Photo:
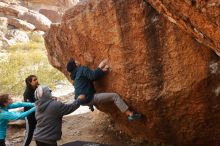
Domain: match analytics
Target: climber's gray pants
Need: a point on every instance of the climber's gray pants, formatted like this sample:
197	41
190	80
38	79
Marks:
102	98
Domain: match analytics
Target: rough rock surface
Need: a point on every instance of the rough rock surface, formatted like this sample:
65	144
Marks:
12	10
38	20
53	2
3	21
21	24
55	5
16	11
14	35
161	67
52	9
199	18
54	16
11	37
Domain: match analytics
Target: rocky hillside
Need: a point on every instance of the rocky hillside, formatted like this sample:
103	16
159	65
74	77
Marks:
52	9
16	21
164	60
22	50
35	15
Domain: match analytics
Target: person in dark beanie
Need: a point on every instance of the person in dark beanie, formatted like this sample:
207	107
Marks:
6	103
31	85
49	114
84	77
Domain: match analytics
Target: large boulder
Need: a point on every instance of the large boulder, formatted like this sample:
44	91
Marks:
164	70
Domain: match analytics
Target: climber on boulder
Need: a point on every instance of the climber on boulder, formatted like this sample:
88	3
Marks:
84	77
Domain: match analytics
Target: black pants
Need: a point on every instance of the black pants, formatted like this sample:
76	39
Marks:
2	142
38	143
30	126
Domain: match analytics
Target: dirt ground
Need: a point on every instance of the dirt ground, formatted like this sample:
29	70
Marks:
93	126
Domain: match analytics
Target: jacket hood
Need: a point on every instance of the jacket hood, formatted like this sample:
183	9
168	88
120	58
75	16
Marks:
43	92
71	65
73	74
44	97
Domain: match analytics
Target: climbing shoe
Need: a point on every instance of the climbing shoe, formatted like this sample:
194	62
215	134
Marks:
91	108
134	116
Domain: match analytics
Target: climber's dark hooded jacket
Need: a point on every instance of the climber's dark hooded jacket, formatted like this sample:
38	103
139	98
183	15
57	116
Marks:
49	114
83	78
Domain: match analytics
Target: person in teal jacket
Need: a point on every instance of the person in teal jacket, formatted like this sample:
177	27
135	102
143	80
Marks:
6	103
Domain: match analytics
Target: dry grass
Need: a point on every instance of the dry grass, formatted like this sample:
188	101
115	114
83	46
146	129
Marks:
25	59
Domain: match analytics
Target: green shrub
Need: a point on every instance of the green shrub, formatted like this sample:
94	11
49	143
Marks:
23	60
35	37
